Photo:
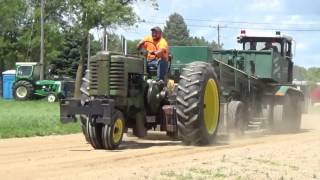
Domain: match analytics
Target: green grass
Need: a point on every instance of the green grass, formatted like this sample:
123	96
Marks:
32	118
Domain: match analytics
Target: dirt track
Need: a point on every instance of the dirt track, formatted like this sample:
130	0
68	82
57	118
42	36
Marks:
287	156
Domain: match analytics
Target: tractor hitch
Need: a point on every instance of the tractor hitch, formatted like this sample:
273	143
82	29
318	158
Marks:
170	118
100	109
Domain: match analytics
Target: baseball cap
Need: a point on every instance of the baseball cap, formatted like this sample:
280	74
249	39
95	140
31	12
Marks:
156	28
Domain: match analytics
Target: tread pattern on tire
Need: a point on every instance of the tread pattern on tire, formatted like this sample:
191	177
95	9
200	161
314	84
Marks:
191	88
107	134
287	115
94	134
236	123
28	85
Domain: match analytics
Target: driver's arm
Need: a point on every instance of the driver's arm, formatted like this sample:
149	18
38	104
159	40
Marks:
140	44
163	48
158	53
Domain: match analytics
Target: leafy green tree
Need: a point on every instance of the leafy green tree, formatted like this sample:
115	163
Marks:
299	73
201	41
20	31
302	74
12	14
132	46
68	59
176	31
87	14
313	74
114	43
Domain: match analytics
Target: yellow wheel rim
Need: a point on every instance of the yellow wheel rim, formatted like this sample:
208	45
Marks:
211	106
117	130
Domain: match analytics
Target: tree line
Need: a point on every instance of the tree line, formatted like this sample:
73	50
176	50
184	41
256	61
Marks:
312	75
67	26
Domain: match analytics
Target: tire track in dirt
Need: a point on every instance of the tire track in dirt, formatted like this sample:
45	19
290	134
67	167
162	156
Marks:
69	157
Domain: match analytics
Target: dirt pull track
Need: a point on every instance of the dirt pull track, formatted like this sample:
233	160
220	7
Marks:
69	157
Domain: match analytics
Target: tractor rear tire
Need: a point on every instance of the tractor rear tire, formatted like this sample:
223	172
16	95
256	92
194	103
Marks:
94	134
287	116
236	117
198	104
23	90
112	134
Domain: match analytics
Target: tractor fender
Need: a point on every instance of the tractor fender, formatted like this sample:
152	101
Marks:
285	90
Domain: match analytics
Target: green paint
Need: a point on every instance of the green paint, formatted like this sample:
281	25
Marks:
30	71
186	54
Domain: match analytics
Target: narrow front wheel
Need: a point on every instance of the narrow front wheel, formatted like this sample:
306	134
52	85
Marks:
112	134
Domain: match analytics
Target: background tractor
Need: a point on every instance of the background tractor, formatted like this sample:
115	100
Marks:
28	86
207	93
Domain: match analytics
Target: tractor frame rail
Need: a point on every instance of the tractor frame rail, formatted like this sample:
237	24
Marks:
99	109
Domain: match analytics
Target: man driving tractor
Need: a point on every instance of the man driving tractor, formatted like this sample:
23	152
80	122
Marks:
158	52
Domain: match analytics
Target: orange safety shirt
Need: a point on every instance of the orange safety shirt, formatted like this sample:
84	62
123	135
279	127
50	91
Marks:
151	45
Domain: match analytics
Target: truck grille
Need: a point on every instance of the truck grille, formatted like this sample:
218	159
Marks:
93	78
117	81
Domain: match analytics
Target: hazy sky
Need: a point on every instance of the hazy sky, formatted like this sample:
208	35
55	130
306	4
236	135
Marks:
253	15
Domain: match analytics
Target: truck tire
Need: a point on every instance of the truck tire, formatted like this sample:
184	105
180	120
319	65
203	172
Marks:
287	116
236	117
112	134
198	104
23	90
93	131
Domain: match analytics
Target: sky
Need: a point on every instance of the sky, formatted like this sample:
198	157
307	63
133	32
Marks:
202	16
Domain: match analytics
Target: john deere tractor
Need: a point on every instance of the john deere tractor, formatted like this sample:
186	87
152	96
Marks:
28	86
207	93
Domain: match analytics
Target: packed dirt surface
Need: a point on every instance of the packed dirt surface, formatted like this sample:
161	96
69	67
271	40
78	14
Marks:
255	156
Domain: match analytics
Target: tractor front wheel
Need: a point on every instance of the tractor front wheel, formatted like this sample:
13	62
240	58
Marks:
51	98
84	99
93	131
23	90
112	134
83	121
198	104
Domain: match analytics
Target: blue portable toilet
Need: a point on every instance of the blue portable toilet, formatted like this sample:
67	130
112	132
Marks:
9	78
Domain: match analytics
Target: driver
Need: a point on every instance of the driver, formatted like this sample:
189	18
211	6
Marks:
158	52
267	46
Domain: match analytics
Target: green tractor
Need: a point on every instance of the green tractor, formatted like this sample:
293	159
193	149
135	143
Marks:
207	93
29	86
119	92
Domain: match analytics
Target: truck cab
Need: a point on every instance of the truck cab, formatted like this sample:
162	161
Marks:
27	71
279	45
